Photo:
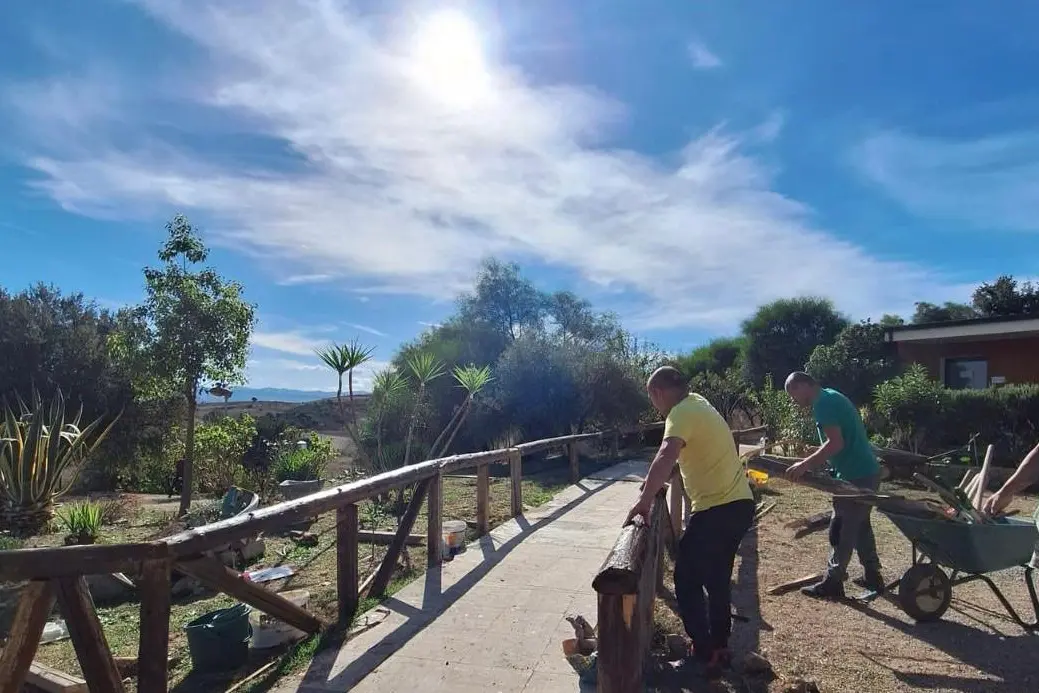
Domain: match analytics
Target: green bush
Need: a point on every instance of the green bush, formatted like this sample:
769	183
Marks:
220	447
81	521
857	361
302	464
918	413
785	421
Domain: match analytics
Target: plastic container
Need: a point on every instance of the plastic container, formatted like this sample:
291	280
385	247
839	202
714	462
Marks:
270	632
454	538
756	477
219	640
54	631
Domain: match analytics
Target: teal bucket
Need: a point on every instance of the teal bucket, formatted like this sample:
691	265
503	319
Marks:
219	640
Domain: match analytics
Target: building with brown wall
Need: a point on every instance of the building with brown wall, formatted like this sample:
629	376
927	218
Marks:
973	353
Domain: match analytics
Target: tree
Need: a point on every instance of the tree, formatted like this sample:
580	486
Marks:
194	326
1005	297
858	360
890	320
782	335
929	312
716	356
345	359
504	301
728	392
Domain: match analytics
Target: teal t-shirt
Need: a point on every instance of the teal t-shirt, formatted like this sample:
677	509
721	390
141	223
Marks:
856	460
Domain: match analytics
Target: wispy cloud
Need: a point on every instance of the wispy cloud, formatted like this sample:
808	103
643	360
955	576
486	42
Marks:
701	56
991	182
286	342
380	150
297	279
305	375
433	325
365	328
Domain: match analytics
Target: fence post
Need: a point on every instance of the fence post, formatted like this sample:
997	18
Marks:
435	524
677	503
483	499
346	562
615	445
34	606
154	644
575	463
516	478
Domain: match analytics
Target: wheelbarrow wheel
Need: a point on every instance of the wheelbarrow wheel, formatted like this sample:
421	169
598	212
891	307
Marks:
924	592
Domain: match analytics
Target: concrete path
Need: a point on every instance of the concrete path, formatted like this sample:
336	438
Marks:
491	620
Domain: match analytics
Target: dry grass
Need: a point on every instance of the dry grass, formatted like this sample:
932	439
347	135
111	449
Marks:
849	648
316	573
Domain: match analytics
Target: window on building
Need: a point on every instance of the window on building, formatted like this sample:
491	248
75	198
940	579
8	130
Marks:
966	374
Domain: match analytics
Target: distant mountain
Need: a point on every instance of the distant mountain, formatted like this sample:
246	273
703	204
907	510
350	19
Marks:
271	394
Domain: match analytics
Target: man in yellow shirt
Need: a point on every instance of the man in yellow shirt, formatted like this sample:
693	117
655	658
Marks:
697	437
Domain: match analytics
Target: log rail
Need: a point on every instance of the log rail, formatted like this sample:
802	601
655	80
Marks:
57	574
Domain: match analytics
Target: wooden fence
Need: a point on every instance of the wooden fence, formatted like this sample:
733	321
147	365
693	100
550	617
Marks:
628	582
58	574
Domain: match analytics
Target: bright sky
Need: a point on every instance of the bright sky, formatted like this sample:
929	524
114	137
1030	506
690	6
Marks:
678	162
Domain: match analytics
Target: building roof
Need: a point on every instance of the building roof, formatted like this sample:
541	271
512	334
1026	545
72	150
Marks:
977	329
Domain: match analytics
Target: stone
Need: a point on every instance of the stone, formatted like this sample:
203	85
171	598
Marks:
801	686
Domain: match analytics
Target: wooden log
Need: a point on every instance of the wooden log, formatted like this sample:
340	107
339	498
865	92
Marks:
516	481
575	463
384	574
88	638
785	587
44	678
214	574
30	617
434	521
550	443
817	480
483	499
154	643
73	561
383	538
347	568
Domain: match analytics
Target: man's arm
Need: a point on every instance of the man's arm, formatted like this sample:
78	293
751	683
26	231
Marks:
834	444
1027	474
660	470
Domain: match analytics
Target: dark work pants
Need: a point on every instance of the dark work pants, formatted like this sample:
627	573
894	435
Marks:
851	531
703	572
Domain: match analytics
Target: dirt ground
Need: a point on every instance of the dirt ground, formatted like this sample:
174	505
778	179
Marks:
850	648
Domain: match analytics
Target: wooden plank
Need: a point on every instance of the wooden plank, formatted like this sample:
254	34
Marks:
88	638
30	617
516	481
44	678
434	520
615	445
550	443
982	484
382	538
794	584
214	574
389	563
347	568
677	496
153	647
73	561
575	463
483	499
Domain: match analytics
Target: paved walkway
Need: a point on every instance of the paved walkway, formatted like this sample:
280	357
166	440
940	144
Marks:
491	620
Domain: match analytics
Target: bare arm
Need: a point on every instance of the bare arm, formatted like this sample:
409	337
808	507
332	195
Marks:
660	470
834	444
1027	473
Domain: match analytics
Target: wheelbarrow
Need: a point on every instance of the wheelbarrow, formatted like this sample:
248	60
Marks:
947	553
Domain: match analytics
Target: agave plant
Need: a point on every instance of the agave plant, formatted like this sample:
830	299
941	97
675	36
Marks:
81	522
41	454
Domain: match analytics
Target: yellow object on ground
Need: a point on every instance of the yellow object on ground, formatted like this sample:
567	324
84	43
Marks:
756	477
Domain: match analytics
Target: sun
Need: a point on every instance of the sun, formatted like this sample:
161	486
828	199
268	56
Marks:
448	59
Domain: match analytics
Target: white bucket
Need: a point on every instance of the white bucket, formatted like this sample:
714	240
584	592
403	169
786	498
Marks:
454	538
270	632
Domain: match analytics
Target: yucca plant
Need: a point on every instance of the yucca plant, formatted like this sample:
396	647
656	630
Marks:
41	455
81	522
424	368
472	379
387	386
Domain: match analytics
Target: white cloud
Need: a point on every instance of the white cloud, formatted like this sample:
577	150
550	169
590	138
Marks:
398	191
306	375
286	342
366	328
992	182
298	279
701	56
432	325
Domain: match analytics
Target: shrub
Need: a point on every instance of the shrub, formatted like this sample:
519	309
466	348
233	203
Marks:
909	407
729	393
81	522
302	464
855	363
785	421
220	447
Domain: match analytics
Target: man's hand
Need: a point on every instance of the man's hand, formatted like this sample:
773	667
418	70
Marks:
997	503
640	509
797	471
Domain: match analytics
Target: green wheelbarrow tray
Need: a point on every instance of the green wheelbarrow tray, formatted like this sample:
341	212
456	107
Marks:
969	552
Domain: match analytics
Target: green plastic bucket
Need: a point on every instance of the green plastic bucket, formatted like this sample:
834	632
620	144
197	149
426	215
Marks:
219	640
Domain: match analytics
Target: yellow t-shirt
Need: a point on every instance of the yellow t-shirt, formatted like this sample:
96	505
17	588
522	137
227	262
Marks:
710	463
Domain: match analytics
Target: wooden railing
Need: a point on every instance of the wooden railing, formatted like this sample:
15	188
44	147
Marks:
628	581
59	573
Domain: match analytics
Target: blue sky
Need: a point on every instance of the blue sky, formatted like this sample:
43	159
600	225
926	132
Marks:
677	162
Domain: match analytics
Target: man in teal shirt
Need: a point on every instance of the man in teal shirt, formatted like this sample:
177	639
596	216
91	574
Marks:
846	447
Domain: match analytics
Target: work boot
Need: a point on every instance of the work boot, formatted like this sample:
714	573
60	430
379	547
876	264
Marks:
827	589
871	580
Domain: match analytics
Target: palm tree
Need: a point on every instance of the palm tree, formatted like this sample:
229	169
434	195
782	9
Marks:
472	379
424	368
343	359
387	385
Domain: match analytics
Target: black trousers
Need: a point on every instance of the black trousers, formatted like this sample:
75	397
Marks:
703	572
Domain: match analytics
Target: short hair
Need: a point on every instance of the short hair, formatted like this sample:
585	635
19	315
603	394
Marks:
799	378
667	378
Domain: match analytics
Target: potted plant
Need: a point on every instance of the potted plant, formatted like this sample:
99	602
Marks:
299	472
